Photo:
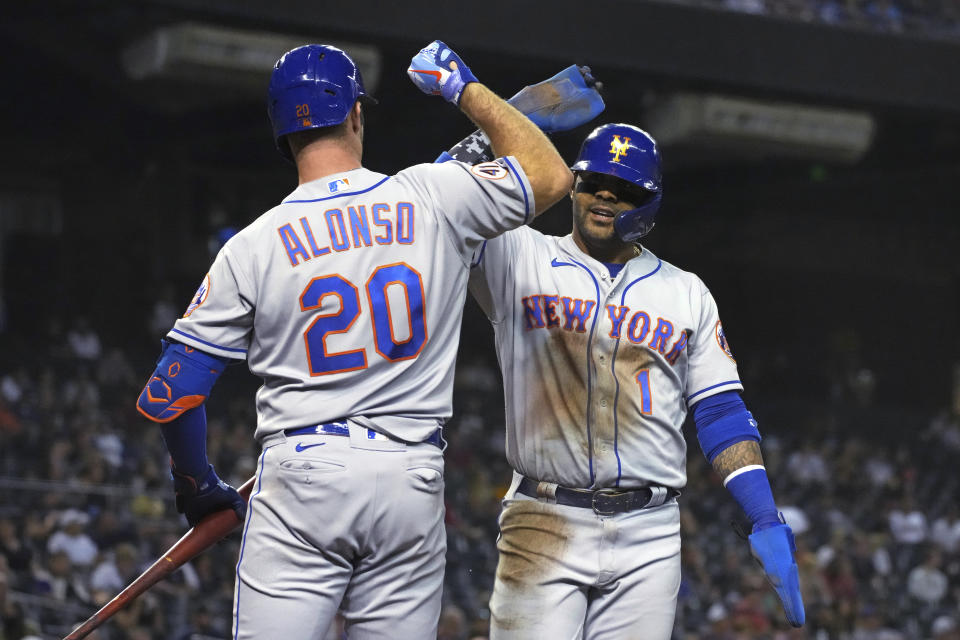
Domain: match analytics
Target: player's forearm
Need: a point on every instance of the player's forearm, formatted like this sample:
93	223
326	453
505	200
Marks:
737	456
512	134
741	467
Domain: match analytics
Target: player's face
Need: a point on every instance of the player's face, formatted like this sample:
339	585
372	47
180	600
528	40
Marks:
597	200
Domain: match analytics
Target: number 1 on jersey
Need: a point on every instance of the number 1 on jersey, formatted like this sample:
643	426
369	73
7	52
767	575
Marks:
646	400
322	362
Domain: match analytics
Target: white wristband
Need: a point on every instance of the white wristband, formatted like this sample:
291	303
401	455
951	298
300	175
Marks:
742	470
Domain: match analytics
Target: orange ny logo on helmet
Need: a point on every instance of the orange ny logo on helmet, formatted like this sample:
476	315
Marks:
618	147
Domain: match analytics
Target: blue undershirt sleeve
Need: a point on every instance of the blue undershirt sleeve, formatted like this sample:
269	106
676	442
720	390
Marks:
723	420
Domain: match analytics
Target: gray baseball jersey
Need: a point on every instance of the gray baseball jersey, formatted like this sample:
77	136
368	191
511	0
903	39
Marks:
598	372
346	298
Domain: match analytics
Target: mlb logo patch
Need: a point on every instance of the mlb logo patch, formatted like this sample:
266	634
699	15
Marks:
338	185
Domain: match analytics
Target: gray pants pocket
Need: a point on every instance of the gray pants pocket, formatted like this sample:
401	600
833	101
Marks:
429	479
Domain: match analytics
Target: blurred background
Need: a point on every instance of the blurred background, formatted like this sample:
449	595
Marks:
812	163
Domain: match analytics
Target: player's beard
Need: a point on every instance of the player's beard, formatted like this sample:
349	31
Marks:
600	238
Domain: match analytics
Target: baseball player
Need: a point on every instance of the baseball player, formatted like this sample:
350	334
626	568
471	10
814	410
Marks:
604	349
346	299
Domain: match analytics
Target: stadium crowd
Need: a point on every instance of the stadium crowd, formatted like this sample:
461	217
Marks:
934	18
88	504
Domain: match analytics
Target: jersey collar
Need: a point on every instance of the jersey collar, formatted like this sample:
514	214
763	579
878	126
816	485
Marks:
334	185
644	264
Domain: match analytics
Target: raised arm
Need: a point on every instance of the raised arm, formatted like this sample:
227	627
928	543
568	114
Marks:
438	70
512	134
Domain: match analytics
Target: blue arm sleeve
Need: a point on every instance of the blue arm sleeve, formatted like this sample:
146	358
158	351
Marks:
186	439
723	420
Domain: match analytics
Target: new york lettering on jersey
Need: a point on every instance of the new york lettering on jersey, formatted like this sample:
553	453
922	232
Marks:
540	311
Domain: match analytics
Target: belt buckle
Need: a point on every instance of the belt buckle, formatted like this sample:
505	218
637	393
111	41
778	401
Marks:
605	492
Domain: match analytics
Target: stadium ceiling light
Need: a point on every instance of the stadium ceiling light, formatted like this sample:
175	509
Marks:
761	128
227	57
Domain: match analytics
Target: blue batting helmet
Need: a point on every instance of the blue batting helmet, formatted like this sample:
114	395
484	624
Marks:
628	153
312	86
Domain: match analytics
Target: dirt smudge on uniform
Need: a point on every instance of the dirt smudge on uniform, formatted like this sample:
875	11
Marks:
534	538
631	358
557	398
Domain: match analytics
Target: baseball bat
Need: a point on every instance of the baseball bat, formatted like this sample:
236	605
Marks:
195	541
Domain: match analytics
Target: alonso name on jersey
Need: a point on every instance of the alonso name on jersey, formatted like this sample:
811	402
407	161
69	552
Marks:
346	228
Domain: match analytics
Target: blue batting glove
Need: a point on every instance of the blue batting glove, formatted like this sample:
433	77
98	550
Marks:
565	101
431	70
198	497
773	548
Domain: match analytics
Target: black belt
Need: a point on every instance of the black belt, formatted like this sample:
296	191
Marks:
604	502
341	429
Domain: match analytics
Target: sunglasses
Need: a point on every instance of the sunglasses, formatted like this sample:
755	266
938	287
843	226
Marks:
625	191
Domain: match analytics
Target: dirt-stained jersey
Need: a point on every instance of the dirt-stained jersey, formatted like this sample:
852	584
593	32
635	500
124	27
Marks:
599	372
346	299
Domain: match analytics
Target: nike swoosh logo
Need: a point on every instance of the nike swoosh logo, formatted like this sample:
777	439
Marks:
301	447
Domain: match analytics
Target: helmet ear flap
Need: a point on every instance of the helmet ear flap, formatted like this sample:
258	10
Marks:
633	224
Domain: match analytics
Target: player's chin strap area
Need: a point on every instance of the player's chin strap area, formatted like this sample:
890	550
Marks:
604	502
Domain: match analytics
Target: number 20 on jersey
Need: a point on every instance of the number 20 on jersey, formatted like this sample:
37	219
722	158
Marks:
323	362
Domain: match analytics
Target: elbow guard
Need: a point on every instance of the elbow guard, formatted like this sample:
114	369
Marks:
182	380
723	420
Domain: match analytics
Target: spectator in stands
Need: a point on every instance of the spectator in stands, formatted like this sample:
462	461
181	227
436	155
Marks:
807	466
746	6
719	624
945	628
12	623
83	341
116	571
870	625
16	553
926	582
72	539
202	625
907	523
59	579
166	309
884	15
842	12
945	531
